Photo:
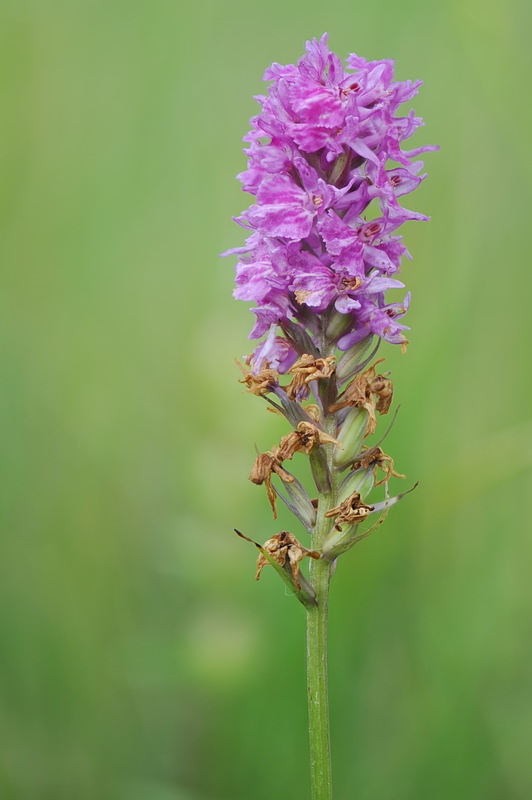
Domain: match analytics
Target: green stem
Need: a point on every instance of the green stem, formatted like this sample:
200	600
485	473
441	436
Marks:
317	618
318	700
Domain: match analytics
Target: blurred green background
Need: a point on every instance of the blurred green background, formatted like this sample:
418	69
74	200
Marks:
139	659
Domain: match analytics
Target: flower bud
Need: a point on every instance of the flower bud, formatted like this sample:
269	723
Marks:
338	325
350	435
361	481
337	542
355	359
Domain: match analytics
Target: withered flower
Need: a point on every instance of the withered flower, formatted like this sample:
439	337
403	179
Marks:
352	511
313	411
261	472
302	440
307	369
285	547
260	383
375	457
362	391
383	388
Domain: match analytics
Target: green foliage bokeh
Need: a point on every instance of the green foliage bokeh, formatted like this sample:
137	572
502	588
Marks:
139	660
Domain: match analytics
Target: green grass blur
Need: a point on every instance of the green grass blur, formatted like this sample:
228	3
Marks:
138	658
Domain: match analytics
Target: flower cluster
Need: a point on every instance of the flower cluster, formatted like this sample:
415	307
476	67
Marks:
321	255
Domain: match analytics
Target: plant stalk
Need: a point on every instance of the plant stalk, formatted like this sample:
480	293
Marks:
317	621
318	699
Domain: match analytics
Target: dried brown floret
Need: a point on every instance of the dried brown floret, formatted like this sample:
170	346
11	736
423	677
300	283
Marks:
303	440
285	547
362	391
307	369
383	388
313	411
262	382
352	511
375	457
261	473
